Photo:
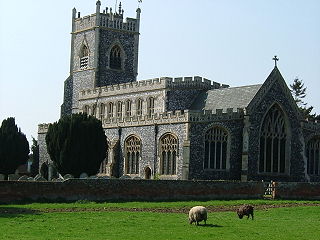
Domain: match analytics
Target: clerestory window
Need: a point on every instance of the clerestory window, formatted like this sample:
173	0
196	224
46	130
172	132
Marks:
139	107
115	58
150	106
128	108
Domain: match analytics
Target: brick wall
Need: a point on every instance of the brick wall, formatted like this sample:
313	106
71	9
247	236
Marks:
128	190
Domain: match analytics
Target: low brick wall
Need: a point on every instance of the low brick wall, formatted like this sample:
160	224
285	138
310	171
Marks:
297	190
128	190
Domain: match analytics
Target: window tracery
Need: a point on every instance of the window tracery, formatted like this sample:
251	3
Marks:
133	153
168	151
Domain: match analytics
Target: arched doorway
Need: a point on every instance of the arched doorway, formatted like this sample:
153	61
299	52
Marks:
147	173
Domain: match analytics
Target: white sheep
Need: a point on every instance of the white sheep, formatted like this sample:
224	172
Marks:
198	214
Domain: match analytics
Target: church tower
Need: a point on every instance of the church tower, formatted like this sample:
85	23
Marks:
104	51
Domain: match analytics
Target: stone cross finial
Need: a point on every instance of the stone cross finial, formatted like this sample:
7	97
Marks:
275	59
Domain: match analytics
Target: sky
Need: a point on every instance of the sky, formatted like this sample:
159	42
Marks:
227	41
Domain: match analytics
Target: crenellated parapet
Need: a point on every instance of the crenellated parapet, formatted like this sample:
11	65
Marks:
310	125
43	128
107	19
175	117
151	85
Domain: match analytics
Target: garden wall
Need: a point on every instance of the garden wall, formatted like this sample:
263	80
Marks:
127	190
297	190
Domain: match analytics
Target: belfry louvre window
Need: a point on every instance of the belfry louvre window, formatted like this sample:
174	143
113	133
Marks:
273	141
84	57
313	156
168	151
133	152
115	58
150	106
216	144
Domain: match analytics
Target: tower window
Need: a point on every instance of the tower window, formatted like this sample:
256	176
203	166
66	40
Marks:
84	57
215	145
115	58
273	143
168	151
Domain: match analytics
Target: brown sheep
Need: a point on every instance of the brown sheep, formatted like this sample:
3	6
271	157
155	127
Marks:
245	210
198	214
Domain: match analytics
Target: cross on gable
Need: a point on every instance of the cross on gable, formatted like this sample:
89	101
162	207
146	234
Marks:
275	60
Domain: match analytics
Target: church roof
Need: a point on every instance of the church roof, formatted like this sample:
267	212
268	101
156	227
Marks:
223	98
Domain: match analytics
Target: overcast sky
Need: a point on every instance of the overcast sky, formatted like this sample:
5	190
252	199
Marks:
227	41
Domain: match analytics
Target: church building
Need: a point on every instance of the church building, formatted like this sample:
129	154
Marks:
181	128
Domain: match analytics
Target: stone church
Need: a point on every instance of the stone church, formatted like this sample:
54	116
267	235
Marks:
181	128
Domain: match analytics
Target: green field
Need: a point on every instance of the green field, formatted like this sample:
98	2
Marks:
84	220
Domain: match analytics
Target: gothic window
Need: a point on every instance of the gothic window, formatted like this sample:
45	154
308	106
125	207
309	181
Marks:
110	110
313	156
139	107
119	109
94	110
86	109
150	106
128	108
115	58
216	148
133	153
169	152
84	57
273	142
102	111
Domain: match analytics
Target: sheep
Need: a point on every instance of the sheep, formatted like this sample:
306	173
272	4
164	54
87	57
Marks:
198	214
245	210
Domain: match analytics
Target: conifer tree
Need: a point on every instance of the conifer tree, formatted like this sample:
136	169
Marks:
76	144
298	91
34	157
14	147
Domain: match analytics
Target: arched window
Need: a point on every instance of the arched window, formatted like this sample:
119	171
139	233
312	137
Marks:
139	107
102	111
169	152
133	152
94	110
110	110
84	57
150	106
115	58
119	109
86	109
128	108
216	148
313	156
273	142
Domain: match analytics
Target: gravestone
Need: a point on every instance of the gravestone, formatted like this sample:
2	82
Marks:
93	177
67	176
125	177
2	177
39	178
23	178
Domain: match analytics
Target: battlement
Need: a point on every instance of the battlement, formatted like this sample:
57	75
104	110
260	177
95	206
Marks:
43	128
107	19
315	126
173	117
151	85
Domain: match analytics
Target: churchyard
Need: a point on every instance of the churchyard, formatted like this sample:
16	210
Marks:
274	219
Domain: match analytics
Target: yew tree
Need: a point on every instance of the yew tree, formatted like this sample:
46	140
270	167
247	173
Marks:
76	144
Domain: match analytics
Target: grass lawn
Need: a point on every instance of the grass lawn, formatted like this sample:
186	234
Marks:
300	222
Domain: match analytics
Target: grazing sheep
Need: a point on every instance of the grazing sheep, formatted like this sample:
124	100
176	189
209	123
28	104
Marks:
245	210
198	214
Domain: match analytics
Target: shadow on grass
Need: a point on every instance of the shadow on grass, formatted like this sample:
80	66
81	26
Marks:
12	212
209	225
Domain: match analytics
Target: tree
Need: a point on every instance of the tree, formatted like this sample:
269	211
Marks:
298	91
34	157
14	147
76	144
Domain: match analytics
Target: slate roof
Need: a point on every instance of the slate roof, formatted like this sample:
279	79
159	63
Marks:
236	97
